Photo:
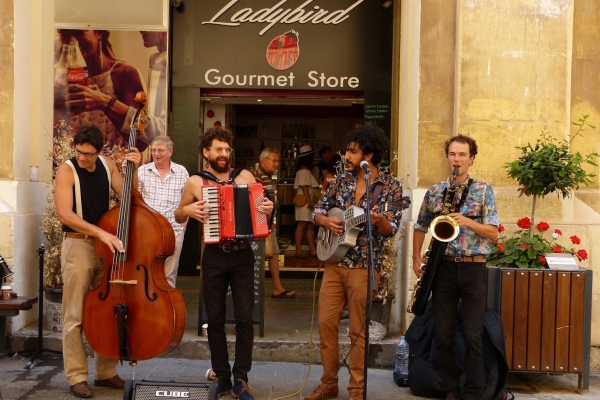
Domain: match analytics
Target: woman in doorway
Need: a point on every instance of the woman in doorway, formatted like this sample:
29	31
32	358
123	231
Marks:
111	91
304	184
331	172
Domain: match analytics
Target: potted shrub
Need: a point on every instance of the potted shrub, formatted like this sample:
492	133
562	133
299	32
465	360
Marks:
546	313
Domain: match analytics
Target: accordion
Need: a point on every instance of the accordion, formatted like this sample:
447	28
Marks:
234	213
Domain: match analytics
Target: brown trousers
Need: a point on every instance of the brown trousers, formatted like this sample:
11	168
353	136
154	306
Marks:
82	269
340	287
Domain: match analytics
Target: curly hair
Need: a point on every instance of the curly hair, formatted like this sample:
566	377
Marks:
462	139
89	134
370	140
220	133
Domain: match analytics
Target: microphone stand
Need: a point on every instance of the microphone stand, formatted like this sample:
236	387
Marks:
40	349
371	284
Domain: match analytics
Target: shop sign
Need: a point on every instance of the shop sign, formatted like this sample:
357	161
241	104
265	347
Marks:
280	44
280	15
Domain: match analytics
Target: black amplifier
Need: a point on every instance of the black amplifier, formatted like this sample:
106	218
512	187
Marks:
150	390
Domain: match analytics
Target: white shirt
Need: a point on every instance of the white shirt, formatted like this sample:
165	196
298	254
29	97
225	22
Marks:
163	195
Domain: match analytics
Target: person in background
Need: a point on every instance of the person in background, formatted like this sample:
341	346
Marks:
161	185
157	88
305	183
461	274
325	155
345	283
80	207
113	85
269	161
229	264
331	172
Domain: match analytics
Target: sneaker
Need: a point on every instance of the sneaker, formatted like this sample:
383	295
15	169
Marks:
241	390
223	387
323	391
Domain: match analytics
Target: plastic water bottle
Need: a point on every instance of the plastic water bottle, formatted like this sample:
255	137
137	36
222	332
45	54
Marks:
402	357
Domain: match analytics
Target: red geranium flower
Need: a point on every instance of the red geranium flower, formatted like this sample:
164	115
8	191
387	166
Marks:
524	223
575	239
582	255
557	249
501	247
523	246
542	260
558	231
500	228
543	226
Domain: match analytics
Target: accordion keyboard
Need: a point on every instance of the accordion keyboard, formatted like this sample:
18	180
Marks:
212	229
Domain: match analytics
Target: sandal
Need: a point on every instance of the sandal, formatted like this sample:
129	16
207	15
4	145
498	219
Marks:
286	294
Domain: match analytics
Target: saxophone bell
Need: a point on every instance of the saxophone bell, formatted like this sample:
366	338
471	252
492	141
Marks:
444	228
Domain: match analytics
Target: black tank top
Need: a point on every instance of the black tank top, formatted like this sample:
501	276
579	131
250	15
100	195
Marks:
95	193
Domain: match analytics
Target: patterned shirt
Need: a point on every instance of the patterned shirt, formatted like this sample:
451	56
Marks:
480	205
163	195
341	195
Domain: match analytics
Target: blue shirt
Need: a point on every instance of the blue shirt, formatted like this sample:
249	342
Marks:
480	205
341	195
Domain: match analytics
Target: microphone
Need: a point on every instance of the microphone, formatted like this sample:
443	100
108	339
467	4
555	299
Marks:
365	165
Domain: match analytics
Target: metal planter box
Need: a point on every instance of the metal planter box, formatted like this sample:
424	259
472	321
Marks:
547	317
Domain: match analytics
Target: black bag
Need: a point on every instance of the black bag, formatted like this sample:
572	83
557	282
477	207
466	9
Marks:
424	379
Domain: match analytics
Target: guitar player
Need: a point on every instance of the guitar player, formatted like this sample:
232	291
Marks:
345	282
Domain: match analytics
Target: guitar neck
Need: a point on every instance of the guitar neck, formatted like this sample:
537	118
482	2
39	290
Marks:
361	219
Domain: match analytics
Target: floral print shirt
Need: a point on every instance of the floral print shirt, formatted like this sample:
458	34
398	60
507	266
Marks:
340	194
480	205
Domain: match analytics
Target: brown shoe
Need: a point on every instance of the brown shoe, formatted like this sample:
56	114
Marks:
323	391
81	389
356	395
115	382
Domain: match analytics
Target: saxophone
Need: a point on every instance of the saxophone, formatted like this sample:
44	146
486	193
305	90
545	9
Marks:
444	230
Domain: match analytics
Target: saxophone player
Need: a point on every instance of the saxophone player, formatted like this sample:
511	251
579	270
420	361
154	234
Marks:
461	274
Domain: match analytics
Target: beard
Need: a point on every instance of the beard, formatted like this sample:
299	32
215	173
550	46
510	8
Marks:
214	164
350	166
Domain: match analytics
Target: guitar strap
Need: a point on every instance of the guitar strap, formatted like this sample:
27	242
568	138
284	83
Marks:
376	193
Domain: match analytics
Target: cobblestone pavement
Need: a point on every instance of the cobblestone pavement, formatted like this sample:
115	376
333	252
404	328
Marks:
268	380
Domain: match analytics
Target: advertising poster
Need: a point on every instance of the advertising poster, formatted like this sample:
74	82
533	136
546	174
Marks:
97	74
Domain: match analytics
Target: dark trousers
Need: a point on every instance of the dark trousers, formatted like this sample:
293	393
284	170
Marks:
467	282
221	270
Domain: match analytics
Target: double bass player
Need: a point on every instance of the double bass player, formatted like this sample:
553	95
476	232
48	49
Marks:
462	272
82	192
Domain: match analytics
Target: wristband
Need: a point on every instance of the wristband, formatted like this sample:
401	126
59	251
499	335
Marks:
110	104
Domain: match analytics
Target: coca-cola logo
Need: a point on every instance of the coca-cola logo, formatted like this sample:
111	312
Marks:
75	75
60	80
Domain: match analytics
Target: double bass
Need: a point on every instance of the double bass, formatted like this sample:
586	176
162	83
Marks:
134	314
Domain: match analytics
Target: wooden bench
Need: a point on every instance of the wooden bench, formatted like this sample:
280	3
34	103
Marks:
10	308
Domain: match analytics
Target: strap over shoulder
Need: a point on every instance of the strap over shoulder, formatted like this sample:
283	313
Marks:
233	173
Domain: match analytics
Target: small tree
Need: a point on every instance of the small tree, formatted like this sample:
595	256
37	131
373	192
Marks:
548	167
